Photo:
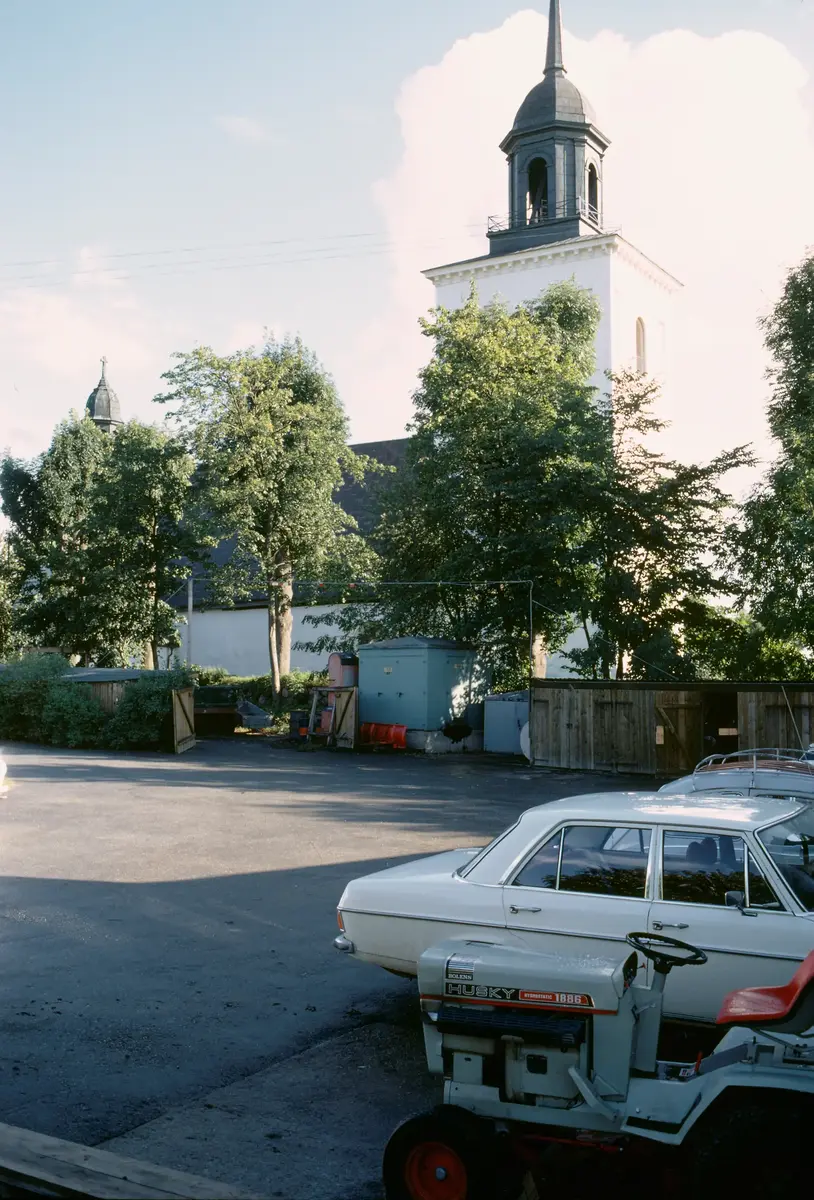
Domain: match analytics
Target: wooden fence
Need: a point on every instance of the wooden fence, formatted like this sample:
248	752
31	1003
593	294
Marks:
658	729
183	720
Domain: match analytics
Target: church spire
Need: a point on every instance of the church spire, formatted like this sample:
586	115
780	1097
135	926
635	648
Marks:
555	153
553	61
103	406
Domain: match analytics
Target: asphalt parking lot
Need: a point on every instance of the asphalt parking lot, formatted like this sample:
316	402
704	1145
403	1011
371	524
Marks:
169	985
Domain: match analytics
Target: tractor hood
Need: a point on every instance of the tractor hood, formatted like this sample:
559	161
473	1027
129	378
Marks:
462	971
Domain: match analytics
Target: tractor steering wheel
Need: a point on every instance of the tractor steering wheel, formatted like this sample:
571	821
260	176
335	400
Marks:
648	944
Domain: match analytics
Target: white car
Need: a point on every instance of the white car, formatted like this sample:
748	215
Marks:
750	773
732	874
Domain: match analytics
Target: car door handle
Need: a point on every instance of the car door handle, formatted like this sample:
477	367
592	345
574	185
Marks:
514	909
670	925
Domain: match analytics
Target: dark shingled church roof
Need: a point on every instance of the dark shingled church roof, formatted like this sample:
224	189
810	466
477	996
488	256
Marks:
555	100
362	501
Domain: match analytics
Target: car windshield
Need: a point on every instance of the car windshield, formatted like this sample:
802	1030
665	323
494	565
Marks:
791	846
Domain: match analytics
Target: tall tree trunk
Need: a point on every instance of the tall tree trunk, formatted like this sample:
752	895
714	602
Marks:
274	660
149	657
285	620
620	664
539	656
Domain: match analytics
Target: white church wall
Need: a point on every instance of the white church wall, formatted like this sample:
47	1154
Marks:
237	639
628	286
524	276
639	293
557	664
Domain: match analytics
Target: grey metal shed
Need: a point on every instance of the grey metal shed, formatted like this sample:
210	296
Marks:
421	682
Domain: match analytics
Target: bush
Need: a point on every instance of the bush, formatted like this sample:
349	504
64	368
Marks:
24	688
142	720
37	704
72	716
209	676
259	689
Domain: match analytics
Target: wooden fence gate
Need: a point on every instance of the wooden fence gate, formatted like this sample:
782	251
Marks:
782	718
183	720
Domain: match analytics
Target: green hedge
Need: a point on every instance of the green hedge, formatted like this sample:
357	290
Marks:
258	688
37	704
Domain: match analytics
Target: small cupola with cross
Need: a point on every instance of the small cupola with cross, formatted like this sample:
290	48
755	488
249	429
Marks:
103	404
555	153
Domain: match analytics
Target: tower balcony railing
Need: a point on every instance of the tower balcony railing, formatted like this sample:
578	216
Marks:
548	214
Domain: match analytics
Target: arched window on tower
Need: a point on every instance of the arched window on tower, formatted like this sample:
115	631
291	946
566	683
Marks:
593	192
537	200
641	347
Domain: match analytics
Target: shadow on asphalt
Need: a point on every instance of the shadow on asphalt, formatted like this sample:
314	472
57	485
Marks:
470	793
119	1000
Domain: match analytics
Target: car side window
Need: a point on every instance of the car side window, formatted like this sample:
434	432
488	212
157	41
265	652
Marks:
699	868
760	893
541	871
603	860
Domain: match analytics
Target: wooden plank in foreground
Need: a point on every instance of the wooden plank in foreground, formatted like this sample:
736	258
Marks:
45	1166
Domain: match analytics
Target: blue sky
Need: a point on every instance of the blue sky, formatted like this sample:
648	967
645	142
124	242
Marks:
181	171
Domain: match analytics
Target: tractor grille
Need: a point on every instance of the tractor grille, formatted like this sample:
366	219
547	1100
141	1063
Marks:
561	1033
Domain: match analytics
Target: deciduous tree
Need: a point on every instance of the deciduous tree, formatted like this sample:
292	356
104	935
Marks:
269	434
143	532
657	527
773	550
500	466
47	503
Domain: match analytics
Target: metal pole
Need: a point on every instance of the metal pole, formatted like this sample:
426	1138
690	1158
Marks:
531	631
189	621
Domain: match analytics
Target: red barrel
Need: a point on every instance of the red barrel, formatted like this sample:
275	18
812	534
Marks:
373	734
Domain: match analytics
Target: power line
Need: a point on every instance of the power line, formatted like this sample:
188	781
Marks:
313	253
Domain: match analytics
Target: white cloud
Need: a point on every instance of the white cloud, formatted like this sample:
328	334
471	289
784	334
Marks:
245	129
709	172
52	336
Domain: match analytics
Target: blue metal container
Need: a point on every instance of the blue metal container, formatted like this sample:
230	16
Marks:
423	683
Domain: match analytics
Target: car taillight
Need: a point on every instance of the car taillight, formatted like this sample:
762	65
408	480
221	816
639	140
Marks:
339	921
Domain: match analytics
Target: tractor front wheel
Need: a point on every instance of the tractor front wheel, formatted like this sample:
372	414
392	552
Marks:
443	1155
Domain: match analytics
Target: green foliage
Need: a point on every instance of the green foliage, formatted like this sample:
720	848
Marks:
142	720
499	470
10	587
24	691
208	676
789	333
98	526
723	644
259	689
38	704
48	503
71	715
142	522
270	435
773	549
655	529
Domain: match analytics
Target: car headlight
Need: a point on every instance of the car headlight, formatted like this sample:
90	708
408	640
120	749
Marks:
339	920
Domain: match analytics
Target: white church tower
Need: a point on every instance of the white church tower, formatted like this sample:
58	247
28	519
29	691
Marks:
555	229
